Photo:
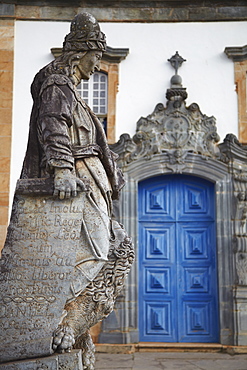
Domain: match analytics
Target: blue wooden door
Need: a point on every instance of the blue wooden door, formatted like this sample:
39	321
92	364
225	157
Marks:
177	260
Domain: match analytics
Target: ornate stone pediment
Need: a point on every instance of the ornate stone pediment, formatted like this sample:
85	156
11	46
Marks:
175	130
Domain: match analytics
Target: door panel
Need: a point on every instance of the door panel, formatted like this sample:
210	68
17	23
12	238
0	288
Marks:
157	253
177	260
194	199
156	203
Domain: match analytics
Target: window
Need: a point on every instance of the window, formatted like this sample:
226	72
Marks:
94	93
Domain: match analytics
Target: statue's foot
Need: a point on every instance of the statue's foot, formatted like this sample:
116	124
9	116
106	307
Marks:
88	351
88	356
63	339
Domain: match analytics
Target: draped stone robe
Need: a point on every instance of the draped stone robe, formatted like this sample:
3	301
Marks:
65	133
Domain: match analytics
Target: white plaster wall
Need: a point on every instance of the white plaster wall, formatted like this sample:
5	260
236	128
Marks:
145	75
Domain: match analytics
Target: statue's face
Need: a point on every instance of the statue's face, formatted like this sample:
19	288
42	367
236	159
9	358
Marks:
88	64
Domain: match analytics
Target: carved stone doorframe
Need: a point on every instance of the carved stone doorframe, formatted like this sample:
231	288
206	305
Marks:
196	166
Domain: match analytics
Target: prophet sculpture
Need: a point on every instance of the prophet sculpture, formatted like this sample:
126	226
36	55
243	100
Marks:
67	148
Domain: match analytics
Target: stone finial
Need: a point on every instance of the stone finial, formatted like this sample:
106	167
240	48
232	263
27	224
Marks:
176	61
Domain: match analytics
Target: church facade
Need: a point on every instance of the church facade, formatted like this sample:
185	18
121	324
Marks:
181	143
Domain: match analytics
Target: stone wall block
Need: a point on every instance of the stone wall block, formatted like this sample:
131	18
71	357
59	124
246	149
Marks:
127	11
4	181
6	37
6	81
5	143
5	118
5	130
3	216
170	14
204	13
232	12
6	60
5	101
7	9
4	165
4	198
101	14
23	11
3	233
56	12
133	13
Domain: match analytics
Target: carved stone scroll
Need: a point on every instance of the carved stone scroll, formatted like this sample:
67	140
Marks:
37	268
240	226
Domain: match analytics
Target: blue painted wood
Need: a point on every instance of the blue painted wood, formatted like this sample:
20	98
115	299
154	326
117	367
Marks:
177	260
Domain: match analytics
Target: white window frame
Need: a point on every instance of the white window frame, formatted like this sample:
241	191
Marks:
95	93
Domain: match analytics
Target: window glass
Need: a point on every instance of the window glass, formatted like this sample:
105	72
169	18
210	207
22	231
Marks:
94	93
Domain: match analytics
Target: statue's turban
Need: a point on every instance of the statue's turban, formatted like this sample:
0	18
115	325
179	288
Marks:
84	34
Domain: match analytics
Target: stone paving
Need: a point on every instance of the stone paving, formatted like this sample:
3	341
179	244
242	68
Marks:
171	361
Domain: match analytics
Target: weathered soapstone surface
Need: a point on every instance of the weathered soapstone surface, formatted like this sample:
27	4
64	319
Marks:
65	260
62	361
36	271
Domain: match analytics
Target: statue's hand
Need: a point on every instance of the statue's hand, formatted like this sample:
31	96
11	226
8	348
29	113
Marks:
65	183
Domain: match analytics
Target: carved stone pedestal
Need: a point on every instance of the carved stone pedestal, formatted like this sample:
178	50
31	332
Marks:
65	361
241	314
37	268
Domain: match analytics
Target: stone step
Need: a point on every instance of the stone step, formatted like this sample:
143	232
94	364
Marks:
57	361
169	347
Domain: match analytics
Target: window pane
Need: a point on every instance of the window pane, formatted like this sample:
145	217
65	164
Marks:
94	92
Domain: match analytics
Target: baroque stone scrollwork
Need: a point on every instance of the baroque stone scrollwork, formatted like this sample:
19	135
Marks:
174	130
236	153
240	225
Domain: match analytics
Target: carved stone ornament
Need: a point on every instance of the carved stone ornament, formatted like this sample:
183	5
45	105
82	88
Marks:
65	258
175	130
236	154
240	210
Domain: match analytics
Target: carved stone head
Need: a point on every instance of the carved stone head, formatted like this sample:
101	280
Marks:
82	49
85	34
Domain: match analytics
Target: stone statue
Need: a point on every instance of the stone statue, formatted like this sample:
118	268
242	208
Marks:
65	257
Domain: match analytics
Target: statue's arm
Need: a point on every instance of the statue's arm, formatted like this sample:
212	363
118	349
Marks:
54	120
